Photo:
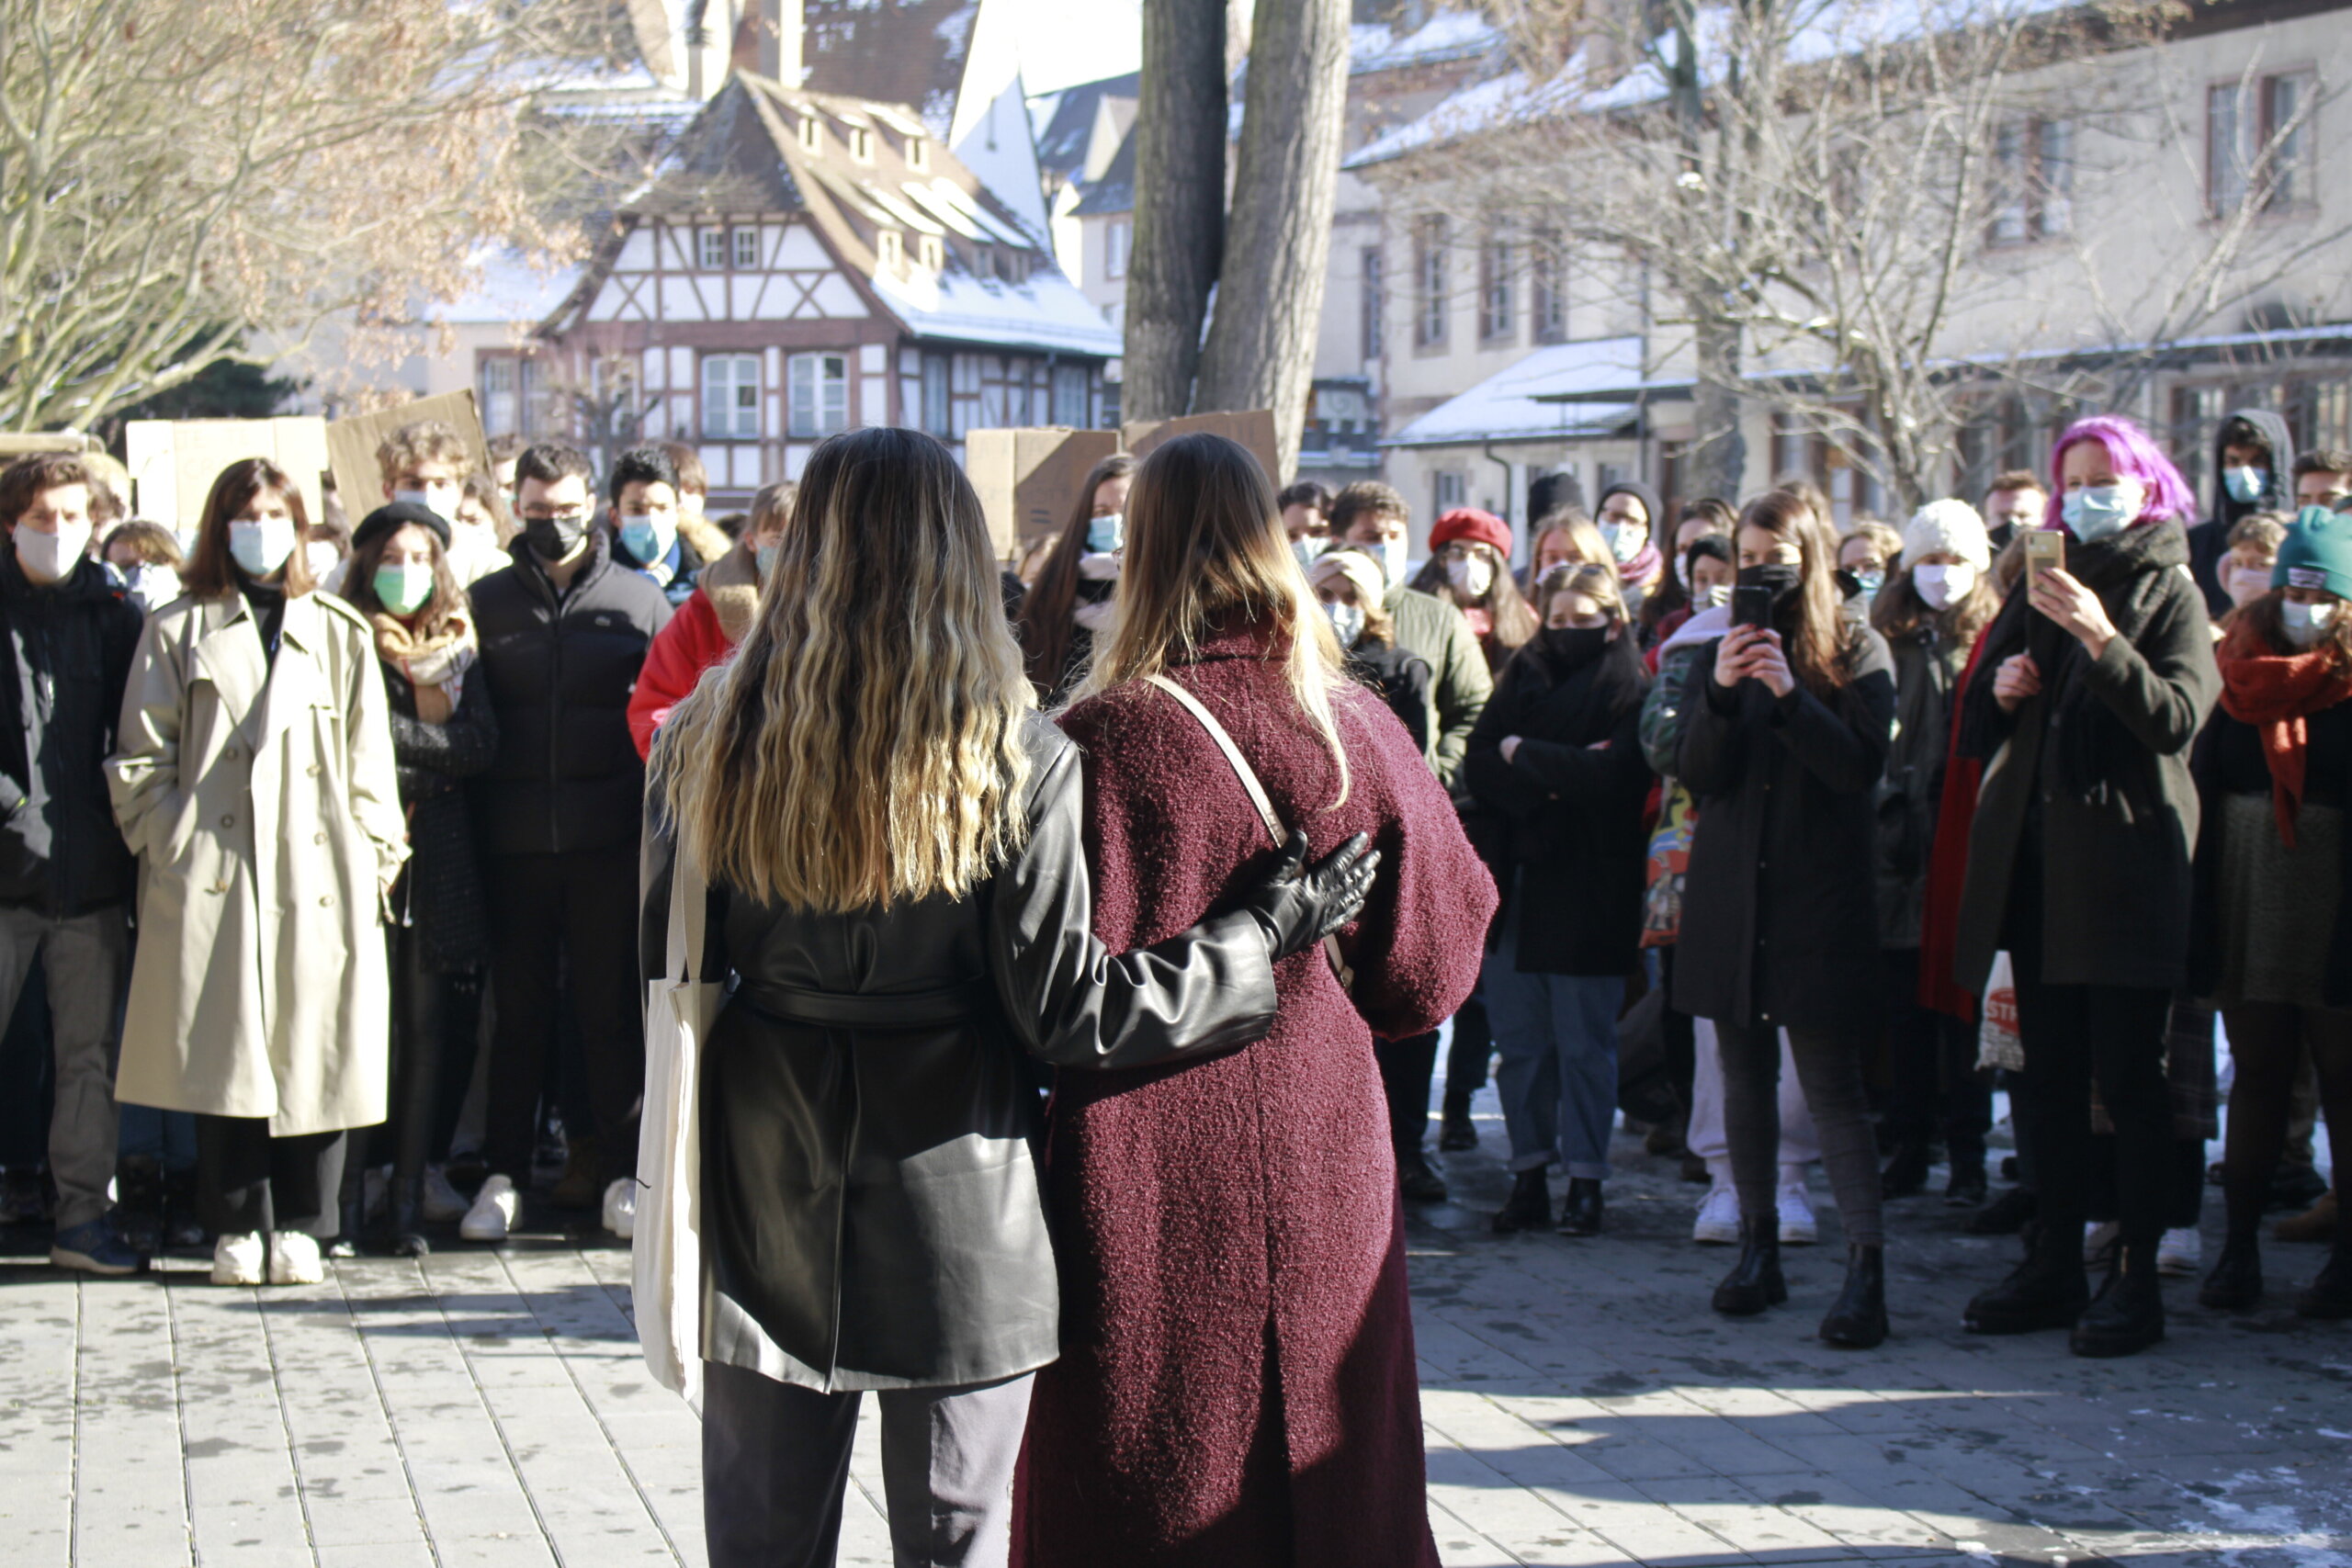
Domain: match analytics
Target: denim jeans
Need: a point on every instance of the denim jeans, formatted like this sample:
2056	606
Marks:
1556	1038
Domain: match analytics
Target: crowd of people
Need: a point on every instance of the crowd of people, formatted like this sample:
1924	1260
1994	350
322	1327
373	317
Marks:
1073	944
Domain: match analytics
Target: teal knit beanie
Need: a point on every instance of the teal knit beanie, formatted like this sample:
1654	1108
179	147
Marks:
2316	553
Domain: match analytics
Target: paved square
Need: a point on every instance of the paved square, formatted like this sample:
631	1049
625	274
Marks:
1583	1405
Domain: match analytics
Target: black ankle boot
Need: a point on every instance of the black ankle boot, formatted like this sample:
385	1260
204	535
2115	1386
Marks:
1455	1132
1858	1320
2046	1290
1906	1173
1754	1282
1528	1207
1580	1215
2330	1295
2236	1282
2128	1313
1965	1190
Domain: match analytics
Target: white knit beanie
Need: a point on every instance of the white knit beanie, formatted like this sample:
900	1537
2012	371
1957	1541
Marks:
1947	524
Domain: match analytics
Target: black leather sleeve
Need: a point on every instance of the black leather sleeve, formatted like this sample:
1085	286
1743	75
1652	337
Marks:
1075	1004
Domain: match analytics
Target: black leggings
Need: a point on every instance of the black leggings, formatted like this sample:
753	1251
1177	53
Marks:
2265	1042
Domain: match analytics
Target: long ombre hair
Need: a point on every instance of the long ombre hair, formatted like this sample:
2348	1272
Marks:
864	744
1205	547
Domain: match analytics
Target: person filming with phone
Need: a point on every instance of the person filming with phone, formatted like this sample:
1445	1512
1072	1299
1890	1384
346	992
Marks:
2079	860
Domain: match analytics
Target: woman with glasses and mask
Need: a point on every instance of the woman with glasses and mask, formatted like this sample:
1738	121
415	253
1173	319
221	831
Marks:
1785	742
254	776
1469	568
1631	522
1073	599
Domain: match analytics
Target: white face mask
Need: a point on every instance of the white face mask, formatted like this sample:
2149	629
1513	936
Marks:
150	585
1941	587
261	547
47	557
1713	598
2247	583
2306	624
1624	540
1392	560
1471	576
322	557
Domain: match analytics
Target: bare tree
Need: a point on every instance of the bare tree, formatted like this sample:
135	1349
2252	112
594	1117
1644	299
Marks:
1261	351
1180	203
177	175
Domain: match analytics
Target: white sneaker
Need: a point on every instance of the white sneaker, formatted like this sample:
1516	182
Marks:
237	1259
2180	1252
442	1202
620	1208
294	1258
2099	1238
1718	1222
493	1213
1797	1226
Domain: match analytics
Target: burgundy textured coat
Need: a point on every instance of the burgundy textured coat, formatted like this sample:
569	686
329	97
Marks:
1236	1385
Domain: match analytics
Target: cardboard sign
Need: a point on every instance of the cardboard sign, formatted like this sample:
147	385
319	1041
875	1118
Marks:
173	462
1254	429
352	443
1029	478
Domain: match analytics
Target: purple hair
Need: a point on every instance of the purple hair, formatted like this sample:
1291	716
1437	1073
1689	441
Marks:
2135	455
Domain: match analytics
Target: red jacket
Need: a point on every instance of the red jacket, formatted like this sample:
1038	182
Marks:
703	632
1237	1384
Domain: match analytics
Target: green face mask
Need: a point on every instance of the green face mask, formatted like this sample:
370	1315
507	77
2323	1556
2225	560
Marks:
404	590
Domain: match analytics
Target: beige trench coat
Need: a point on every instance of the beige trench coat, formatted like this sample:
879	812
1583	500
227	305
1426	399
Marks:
261	802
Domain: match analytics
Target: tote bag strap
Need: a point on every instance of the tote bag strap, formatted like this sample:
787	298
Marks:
1257	793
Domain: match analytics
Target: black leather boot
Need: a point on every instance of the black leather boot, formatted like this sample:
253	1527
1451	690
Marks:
2236	1282
1416	1180
1580	1215
1906	1173
1528	1207
1858	1320
1965	1188
2128	1313
1754	1282
2330	1295
1455	1132
2046	1290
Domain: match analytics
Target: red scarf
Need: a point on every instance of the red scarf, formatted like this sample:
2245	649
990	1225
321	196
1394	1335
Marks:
2274	693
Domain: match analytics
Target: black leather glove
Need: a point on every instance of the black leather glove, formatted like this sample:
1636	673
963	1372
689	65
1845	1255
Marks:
1299	904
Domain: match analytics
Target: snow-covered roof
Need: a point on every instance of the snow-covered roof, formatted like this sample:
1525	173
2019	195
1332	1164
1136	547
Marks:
1451	35
1047	312
1505	405
510	289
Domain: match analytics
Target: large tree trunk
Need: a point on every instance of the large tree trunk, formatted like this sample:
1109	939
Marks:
1718	446
1261	350
1180	203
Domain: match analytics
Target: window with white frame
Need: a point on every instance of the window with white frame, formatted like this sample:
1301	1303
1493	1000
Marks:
1547	305
1497	311
889	250
1118	235
711	249
1069	396
502	400
743	240
2259	140
812	134
1374	301
932	252
937	417
730	396
819	387
860	144
2033	168
1431	305
918	152
1451	489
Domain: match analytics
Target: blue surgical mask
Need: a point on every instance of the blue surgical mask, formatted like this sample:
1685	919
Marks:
2246	484
1347	622
648	536
2100	512
1105	533
1308	550
1393	564
260	549
1871	581
763	559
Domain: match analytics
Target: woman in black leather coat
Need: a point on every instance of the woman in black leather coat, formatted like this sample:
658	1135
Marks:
898	885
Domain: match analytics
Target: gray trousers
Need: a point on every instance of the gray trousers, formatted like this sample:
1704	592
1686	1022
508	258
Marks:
1830	1069
82	958
775	1458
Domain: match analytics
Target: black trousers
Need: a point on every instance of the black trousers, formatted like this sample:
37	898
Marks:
2071	1033
1406	1067
1932	1058
1471	1059
573	915
2269	1042
247	1181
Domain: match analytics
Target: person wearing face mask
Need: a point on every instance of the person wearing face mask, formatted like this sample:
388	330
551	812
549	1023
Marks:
1936	600
652	530
2079	864
425	465
254	773
1865	557
1075	595
67	633
326	550
1306	520
2272	938
1671	599
564	631
1631	519
146	560
1785	740
1348	584
1702	580
712	621
1374	517
1469	568
443	733
2254	463
2254	547
1556	763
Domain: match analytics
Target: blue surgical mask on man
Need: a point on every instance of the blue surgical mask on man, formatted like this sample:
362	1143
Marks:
646	536
1106	534
2246	484
2100	512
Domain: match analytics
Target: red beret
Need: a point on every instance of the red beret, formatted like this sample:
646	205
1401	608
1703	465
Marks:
1478	527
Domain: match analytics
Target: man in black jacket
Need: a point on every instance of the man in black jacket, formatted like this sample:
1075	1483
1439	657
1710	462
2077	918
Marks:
2254	462
563	633
65	875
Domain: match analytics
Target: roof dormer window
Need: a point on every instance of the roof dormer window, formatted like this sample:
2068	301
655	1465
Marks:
812	134
931	252
918	152
860	144
889	250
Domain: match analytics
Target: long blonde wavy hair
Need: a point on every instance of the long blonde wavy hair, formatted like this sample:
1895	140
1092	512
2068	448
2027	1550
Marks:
864	744
1205	547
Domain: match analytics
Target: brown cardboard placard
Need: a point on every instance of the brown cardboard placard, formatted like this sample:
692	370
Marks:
173	462
1253	428
352	443
1029	478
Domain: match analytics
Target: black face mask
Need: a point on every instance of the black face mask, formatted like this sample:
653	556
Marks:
1573	648
552	538
1782	579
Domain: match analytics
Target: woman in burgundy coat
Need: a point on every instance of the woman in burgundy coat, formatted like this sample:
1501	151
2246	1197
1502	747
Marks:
1236	1383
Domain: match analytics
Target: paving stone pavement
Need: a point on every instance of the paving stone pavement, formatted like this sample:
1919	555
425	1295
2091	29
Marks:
488	1409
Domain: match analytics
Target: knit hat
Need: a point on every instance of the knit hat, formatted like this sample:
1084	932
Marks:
1947	524
2316	553
1478	527
1359	569
395	515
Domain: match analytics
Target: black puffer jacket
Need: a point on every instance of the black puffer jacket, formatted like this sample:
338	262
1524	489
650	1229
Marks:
440	892
566	775
67	651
